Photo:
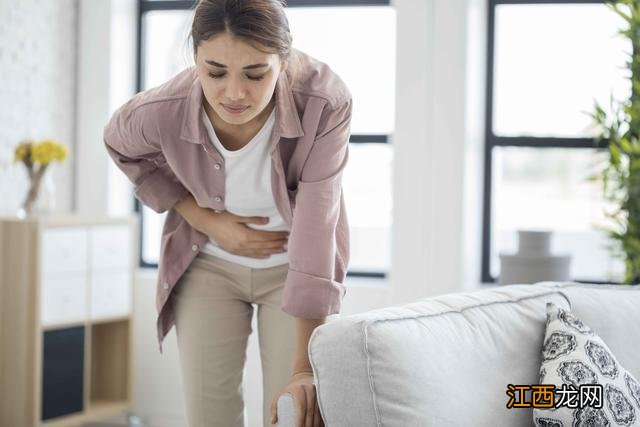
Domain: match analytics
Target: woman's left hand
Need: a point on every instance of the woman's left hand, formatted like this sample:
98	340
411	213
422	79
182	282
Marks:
303	390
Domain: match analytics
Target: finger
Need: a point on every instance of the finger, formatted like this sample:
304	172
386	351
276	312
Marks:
269	244
274	411
251	219
261	235
300	401
317	418
309	412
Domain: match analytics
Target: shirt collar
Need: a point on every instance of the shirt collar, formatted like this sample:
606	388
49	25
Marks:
286	113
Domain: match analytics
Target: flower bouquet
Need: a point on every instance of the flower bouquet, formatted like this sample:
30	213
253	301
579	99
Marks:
37	156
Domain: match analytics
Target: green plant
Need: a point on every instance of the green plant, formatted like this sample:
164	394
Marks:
620	173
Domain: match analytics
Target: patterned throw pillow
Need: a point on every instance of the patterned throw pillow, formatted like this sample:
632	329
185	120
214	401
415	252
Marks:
573	355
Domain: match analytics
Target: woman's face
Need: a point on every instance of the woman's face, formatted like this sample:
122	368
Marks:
234	74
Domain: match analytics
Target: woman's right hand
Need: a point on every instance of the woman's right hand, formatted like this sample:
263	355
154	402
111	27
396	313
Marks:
232	234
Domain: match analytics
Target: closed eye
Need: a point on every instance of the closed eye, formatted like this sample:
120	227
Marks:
218	76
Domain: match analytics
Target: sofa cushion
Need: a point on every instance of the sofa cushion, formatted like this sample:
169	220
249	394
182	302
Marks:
446	360
442	361
573	355
611	310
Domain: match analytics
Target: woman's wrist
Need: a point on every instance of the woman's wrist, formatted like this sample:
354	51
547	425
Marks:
191	212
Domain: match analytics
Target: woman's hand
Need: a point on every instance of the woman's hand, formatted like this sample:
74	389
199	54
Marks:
303	390
231	232
233	235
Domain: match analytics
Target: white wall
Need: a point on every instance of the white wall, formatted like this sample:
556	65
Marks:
38	74
106	79
438	147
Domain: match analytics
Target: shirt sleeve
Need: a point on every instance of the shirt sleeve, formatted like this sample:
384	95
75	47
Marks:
144	164
311	289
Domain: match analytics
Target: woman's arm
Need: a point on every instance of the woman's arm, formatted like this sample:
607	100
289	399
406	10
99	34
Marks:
304	328
191	211
312	289
142	160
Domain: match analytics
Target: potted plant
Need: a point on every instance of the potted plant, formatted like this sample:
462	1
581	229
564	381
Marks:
620	171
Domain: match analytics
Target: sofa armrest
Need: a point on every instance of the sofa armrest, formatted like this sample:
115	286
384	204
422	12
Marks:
286	411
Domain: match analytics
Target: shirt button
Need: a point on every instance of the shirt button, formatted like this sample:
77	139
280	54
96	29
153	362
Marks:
216	166
166	285
194	247
218	199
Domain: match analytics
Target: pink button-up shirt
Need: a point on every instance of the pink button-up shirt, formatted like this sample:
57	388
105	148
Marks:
159	141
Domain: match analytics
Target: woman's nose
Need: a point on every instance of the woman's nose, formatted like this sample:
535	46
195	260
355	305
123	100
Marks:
234	90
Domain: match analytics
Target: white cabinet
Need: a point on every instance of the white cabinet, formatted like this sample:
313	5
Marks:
66	301
63	298
111	261
110	247
64	249
110	294
86	273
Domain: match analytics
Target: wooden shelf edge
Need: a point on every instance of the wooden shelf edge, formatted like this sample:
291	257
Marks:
97	410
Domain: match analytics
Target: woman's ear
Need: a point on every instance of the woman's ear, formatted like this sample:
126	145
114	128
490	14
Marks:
283	65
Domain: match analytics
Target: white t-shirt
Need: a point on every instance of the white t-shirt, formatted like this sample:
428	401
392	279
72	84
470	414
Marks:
248	191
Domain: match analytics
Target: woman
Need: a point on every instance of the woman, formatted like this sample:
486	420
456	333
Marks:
245	153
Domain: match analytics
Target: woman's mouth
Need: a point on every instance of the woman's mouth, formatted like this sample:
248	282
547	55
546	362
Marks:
235	109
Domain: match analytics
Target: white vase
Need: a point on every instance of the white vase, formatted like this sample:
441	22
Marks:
41	197
534	261
46	200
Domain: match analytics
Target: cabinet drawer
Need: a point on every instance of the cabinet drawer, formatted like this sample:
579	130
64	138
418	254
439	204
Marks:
64	249
63	298
110	246
110	294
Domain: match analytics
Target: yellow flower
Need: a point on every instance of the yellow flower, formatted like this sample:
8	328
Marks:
47	151
22	151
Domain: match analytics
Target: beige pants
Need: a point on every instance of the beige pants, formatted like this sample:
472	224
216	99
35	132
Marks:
213	305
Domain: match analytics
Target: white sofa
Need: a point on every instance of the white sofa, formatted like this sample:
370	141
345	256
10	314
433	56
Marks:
447	360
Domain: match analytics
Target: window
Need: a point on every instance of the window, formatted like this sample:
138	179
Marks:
363	32
547	63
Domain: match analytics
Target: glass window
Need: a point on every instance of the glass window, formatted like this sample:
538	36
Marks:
547	188
361	48
166	47
368	196
551	62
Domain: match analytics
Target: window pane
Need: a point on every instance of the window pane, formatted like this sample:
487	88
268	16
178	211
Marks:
151	234
368	196
546	77
361	48
166	47
537	188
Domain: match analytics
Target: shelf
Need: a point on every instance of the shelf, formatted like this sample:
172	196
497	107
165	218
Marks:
109	376
99	410
65	319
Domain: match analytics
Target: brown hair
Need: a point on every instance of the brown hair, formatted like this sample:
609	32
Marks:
261	23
